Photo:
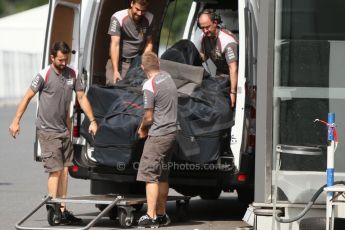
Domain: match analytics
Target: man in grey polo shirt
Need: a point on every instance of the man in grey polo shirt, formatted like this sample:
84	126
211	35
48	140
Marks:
221	46
56	83
159	125
131	35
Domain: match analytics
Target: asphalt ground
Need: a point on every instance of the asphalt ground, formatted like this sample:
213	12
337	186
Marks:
23	185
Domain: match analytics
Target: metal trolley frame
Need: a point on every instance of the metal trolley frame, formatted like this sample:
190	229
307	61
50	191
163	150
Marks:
124	213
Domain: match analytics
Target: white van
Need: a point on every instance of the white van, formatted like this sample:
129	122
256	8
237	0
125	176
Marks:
84	24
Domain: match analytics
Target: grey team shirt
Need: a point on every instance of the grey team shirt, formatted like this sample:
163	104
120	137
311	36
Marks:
133	36
223	50
55	97
160	94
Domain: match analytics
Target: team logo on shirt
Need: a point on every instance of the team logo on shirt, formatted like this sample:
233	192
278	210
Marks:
230	53
35	81
216	54
142	30
70	82
145	99
113	26
160	81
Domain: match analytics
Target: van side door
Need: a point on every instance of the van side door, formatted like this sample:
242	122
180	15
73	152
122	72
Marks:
63	25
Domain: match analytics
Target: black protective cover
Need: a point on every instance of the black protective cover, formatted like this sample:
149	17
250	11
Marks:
205	117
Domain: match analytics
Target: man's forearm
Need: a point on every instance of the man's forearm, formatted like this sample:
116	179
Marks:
115	58
115	52
233	80
233	77
149	45
15	127
85	105
147	119
146	123
21	109
23	105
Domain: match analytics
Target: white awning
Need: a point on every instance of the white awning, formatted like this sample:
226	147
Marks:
24	31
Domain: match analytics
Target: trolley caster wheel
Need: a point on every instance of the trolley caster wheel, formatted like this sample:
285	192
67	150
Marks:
112	214
137	207
53	215
125	217
182	207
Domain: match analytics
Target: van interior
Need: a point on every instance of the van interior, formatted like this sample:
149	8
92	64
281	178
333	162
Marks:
64	20
102	39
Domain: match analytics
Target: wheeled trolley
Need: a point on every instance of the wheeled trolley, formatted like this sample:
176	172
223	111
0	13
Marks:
125	208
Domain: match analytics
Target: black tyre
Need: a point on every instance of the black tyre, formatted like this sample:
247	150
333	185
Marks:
53	216
125	219
182	207
188	191
211	194
112	214
246	196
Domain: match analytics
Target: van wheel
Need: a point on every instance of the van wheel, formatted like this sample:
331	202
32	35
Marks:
187	191
246	196
211	194
112	214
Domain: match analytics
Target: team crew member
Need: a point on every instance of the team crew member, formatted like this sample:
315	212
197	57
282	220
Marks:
56	83
221	46
131	35
159	125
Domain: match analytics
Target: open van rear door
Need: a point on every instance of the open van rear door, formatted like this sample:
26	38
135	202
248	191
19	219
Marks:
237	145
63	25
234	19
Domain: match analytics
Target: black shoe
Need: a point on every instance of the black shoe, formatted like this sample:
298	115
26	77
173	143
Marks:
163	220
147	222
68	218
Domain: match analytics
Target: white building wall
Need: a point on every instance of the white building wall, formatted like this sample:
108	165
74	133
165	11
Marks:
21	48
17	70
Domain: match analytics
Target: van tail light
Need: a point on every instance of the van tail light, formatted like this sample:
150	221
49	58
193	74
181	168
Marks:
242	177
75	168
76	121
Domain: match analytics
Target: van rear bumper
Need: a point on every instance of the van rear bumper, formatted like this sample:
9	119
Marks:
181	174
223	180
